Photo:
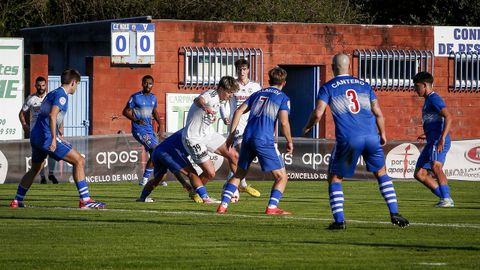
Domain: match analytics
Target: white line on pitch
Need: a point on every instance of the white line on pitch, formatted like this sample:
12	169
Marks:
450	225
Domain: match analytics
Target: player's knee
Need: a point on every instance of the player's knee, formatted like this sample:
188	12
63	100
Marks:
209	174
437	167
232	156
80	161
420	175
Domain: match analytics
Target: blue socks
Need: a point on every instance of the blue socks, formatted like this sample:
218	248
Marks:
275	197
21	191
228	193
445	191
437	192
145	193
335	194
147	172
82	187
385	185
202	192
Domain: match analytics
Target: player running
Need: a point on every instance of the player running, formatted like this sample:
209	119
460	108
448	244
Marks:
266	107
45	141
358	123
436	125
139	109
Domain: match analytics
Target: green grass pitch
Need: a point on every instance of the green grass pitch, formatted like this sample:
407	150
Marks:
175	233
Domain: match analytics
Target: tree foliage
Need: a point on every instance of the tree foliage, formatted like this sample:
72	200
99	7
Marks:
17	14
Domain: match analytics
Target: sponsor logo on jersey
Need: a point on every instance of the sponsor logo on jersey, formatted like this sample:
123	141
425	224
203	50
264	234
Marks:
62	101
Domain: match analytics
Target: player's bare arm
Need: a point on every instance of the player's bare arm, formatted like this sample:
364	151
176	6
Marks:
200	102
159	121
380	120
285	123
23	120
421	138
446	128
236	119
315	116
53	126
128	113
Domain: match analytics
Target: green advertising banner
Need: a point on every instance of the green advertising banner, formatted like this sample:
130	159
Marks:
11	87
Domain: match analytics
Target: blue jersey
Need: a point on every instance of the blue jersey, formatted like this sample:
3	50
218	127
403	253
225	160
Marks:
350	100
173	143
433	121
264	107
142	106
41	131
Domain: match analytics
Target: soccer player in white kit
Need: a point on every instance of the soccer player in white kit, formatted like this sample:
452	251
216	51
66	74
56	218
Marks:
247	88
199	137
32	104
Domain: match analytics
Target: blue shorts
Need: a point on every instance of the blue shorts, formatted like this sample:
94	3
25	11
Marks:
345	155
429	155
147	138
40	150
267	153
172	160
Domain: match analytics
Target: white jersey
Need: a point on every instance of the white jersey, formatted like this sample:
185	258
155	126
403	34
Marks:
33	104
237	99
200	124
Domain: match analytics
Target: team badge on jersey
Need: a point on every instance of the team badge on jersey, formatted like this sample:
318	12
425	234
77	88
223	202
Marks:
62	101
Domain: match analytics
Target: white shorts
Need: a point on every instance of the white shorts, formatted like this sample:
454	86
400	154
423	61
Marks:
198	147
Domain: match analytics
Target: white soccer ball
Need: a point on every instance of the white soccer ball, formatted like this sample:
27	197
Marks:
235	197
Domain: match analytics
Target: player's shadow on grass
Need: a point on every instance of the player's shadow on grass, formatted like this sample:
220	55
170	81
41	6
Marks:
120	220
385	245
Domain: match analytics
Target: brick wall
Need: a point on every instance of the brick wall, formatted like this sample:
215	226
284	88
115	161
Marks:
35	65
282	44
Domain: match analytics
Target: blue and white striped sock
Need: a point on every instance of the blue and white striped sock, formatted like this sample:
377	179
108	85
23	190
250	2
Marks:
202	192
385	185
335	194
275	197
147	173
227	194
82	187
21	192
445	191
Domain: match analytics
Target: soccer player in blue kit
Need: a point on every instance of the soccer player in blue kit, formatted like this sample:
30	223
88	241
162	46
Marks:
436	125
140	108
357	115
171	155
45	141
266	107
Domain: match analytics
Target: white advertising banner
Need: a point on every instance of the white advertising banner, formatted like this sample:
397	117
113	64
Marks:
11	87
401	160
452	39
463	161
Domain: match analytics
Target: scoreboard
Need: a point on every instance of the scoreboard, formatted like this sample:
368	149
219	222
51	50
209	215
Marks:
133	43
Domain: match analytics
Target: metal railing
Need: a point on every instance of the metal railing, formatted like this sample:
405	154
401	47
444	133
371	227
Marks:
205	66
392	69
466	71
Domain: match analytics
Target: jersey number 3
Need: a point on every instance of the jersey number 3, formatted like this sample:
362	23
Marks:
354	105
